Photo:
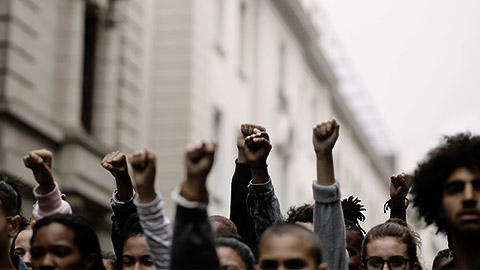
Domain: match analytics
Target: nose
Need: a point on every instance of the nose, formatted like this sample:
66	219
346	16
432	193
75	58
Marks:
137	266
47	262
469	195
27	259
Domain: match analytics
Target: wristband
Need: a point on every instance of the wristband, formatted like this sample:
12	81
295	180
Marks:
388	205
114	197
259	167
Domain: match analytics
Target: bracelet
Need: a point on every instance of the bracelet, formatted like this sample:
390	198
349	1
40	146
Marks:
114	197
259	167
388	205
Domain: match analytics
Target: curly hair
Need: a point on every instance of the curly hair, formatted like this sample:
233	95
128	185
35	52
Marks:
303	213
352	213
460	150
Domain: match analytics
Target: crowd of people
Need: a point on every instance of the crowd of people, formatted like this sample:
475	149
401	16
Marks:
445	188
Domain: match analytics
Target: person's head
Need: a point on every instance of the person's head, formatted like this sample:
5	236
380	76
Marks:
446	185
109	259
11	219
289	246
352	212
65	242
222	225
21	244
233	254
392	242
301	215
135	254
443	257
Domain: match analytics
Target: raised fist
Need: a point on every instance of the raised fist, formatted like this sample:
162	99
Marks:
325	136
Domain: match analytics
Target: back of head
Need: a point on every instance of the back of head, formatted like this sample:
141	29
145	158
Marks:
222	225
399	229
461	150
352	212
85	237
303	213
243	251
298	231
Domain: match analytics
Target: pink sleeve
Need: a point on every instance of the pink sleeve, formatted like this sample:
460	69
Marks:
49	204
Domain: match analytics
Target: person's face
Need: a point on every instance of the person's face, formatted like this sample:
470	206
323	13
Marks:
135	254
22	246
285	252
353	247
229	259
53	247
461	201
386	248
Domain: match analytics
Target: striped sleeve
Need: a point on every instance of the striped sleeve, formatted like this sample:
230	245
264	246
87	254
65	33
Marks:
157	230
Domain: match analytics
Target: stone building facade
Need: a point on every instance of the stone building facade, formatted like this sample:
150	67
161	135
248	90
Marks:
87	77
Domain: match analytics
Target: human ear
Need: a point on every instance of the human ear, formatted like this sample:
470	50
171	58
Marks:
322	266
14	226
415	265
89	261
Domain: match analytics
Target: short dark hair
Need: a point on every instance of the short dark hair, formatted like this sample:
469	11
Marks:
295	230
225	225
243	251
85	237
303	213
460	150
399	229
11	189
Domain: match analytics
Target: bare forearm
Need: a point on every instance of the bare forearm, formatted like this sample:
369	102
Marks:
124	188
260	175
325	170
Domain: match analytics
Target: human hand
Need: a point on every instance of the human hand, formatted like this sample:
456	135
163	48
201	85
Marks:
400	185
325	136
40	162
245	131
116	164
198	162
257	148
144	169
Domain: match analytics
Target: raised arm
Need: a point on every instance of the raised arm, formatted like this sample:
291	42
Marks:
47	193
239	189
262	202
193	244
399	187
325	136
328	220
122	198
150	208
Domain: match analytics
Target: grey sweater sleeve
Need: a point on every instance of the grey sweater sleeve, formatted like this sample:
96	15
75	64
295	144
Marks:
329	224
157	230
263	206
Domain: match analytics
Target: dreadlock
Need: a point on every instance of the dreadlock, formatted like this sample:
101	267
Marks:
352	213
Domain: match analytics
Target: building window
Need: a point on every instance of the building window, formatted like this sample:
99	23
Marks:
89	55
242	36
282	99
219	22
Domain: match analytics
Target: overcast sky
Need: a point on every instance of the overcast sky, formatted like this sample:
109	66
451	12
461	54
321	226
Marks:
420	63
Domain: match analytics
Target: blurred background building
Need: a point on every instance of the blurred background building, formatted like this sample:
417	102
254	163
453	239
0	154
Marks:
87	77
